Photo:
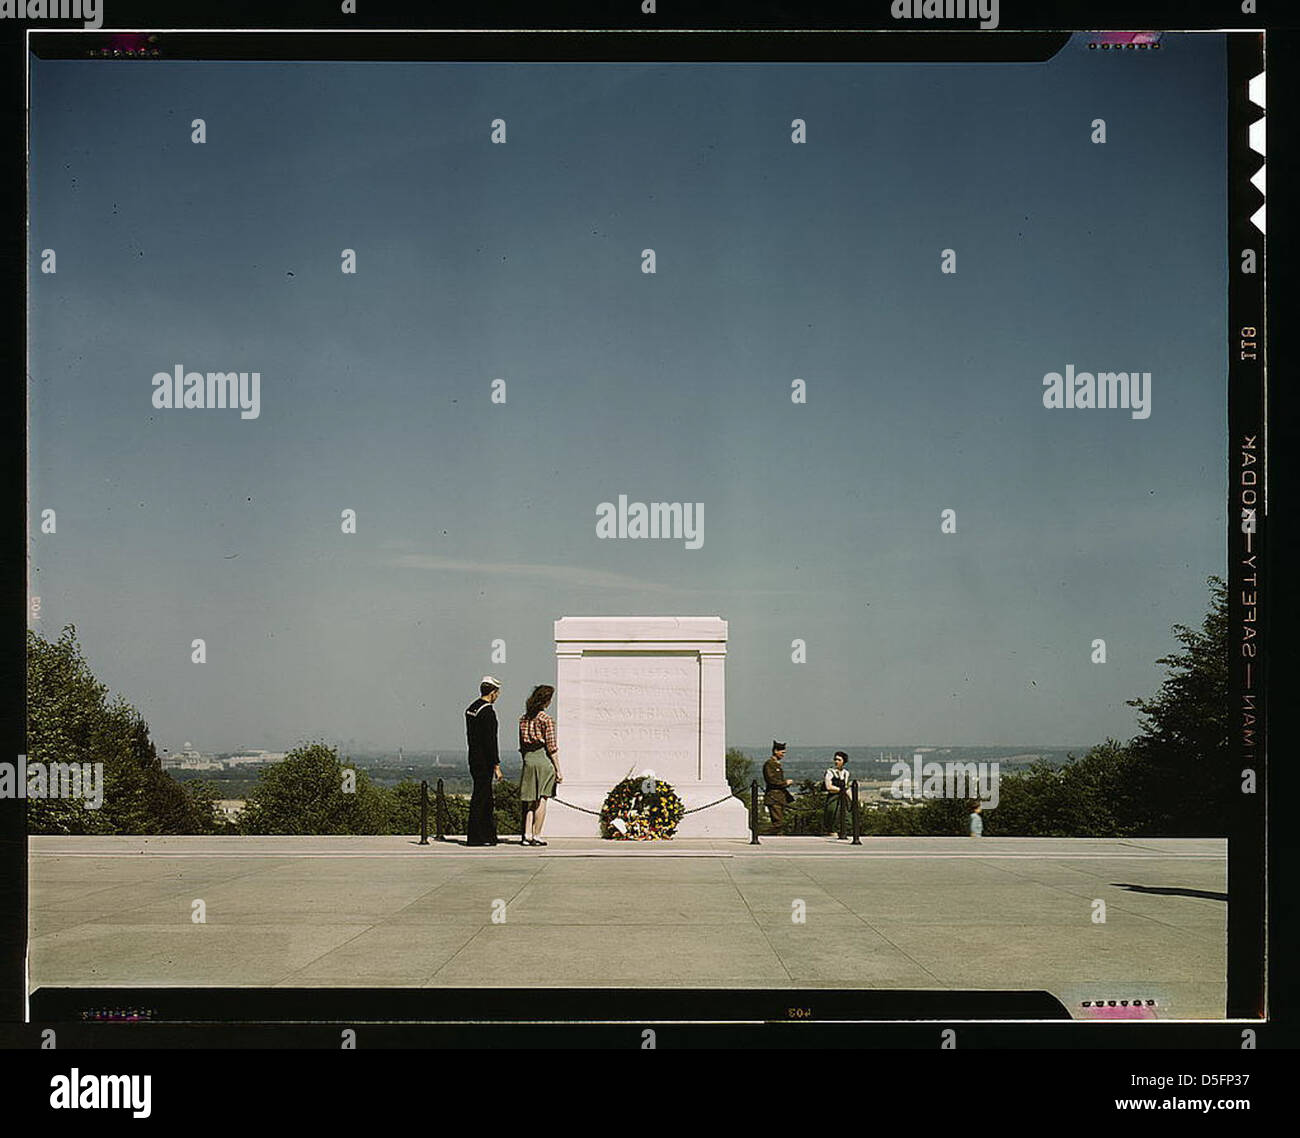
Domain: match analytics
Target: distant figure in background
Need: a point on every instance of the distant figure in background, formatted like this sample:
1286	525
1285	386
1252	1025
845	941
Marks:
837	787
977	820
540	754
777	796
484	762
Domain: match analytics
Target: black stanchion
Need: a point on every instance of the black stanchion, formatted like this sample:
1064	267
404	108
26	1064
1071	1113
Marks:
857	825
424	812
753	813
437	814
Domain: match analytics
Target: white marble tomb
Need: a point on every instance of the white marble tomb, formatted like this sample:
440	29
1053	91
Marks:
638	693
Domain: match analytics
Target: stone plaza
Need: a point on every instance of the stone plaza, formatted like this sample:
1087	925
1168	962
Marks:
900	913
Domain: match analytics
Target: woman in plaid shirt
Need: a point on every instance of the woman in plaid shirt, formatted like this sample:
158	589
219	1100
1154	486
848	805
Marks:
541	765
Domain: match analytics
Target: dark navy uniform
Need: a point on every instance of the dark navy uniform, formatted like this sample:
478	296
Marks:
481	736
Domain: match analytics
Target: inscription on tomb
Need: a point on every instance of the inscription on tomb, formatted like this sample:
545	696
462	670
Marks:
643	713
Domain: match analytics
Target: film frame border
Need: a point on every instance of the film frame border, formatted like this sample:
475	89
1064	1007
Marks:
1247	933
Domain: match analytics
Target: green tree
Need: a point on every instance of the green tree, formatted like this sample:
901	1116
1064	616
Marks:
65	713
1170	780
1086	797
304	794
507	813
70	719
1099	791
890	821
804	816
404	808
740	773
1183	769
947	817
203	794
1028	804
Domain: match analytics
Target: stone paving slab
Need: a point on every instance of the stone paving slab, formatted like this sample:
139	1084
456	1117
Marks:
521	955
962	913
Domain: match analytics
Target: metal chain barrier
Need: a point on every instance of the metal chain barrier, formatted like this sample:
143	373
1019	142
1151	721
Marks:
571	806
706	806
694	810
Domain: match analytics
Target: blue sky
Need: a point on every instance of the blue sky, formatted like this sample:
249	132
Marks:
477	521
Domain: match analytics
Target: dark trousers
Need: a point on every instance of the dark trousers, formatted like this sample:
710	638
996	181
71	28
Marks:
482	828
831	814
776	808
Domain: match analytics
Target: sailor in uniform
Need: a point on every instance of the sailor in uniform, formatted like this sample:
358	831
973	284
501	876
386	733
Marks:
484	762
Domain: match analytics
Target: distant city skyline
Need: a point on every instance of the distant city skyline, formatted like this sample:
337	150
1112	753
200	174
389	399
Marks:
479	523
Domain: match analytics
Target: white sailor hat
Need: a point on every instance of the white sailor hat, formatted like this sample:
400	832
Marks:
491	680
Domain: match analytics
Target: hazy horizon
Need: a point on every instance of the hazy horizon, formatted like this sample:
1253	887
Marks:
366	750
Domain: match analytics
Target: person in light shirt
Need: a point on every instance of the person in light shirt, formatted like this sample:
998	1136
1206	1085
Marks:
976	820
837	786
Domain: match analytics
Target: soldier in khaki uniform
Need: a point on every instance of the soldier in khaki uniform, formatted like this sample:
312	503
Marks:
776	797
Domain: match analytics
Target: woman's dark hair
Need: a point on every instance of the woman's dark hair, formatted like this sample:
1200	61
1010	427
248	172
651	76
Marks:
840	755
539	699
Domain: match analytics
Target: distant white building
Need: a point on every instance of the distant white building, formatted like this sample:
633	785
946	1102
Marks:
247	757
188	759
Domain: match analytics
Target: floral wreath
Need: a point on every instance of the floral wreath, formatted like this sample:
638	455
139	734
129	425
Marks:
642	809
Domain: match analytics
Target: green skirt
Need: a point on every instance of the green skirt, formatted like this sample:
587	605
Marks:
538	779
